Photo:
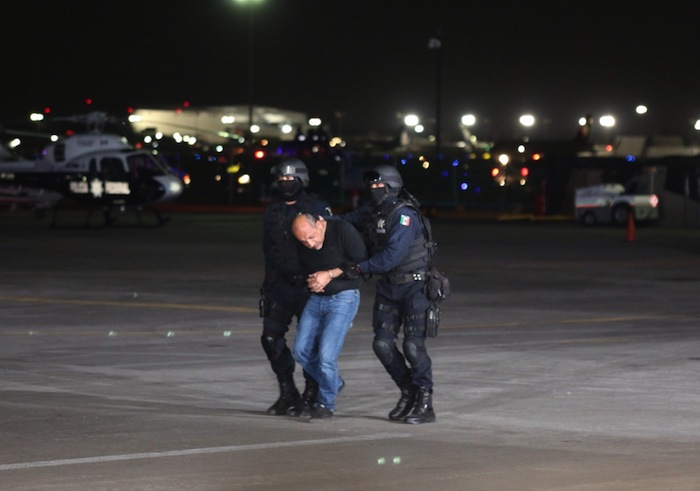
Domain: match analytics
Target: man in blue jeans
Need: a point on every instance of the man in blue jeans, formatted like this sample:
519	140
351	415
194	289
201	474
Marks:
330	248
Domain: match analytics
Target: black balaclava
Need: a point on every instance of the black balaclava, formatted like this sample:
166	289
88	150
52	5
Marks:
382	194
290	190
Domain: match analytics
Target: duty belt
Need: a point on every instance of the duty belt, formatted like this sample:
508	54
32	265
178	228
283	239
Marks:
397	279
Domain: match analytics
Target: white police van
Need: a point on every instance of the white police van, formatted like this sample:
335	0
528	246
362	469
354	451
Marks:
609	203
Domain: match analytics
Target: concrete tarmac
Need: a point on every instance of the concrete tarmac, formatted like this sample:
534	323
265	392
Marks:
567	359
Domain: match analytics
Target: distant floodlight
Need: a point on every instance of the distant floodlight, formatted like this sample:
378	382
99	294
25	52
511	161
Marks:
527	120
411	120
468	120
607	121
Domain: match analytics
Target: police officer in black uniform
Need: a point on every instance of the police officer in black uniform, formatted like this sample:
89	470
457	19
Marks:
284	292
399	252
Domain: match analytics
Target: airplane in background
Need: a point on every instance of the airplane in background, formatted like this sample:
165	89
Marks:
95	169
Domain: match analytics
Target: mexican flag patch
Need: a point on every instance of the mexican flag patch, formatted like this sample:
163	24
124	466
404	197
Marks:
405	220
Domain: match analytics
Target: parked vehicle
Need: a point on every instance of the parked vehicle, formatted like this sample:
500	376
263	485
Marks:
610	203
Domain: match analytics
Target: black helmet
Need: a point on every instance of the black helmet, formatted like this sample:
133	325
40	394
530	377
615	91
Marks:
386	174
292	167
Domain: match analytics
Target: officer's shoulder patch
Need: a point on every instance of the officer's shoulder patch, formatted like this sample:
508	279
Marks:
405	220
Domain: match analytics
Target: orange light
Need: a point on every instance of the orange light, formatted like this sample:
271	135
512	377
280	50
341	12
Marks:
536	156
495	171
259	154
608	148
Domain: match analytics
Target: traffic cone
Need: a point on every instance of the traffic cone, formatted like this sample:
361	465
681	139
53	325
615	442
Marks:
630	226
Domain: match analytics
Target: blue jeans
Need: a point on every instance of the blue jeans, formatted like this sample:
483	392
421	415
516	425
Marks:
320	336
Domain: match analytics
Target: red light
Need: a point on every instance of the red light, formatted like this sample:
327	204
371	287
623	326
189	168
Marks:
495	171
524	171
178	110
88	101
259	154
130	110
186	104
47	110
608	148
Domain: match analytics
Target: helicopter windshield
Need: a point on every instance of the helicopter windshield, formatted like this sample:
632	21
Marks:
145	165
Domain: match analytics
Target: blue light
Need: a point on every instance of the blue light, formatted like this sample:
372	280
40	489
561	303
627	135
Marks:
464	186
455	163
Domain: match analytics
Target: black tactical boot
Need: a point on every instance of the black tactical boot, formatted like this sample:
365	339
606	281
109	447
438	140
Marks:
307	400
405	404
289	396
422	411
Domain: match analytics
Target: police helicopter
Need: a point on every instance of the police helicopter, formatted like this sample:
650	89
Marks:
96	169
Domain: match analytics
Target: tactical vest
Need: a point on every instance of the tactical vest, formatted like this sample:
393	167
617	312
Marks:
419	252
281	242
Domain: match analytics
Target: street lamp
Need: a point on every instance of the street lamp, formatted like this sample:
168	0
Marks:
435	43
249	4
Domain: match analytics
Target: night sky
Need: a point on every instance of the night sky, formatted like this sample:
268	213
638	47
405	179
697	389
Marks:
359	64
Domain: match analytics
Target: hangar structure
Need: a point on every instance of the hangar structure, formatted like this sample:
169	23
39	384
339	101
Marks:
219	124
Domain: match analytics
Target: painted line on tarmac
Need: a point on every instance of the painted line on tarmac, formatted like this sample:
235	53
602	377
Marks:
200	451
184	306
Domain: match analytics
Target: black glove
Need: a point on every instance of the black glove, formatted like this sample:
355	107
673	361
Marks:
351	271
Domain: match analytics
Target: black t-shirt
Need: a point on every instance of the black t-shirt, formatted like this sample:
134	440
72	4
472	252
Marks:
342	244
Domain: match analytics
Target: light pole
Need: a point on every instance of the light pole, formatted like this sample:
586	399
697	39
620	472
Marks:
436	43
249	5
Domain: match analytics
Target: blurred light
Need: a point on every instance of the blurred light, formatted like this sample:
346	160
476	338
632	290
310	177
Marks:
524	171
88	101
286	128
244	179
254	128
418	128
14	143
410	120
315	122
259	154
527	120
641	109
607	121
36	117
468	120
228	119
495	171
503	159
536	156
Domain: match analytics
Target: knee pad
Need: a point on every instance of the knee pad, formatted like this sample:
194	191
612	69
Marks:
273	346
413	349
384	349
